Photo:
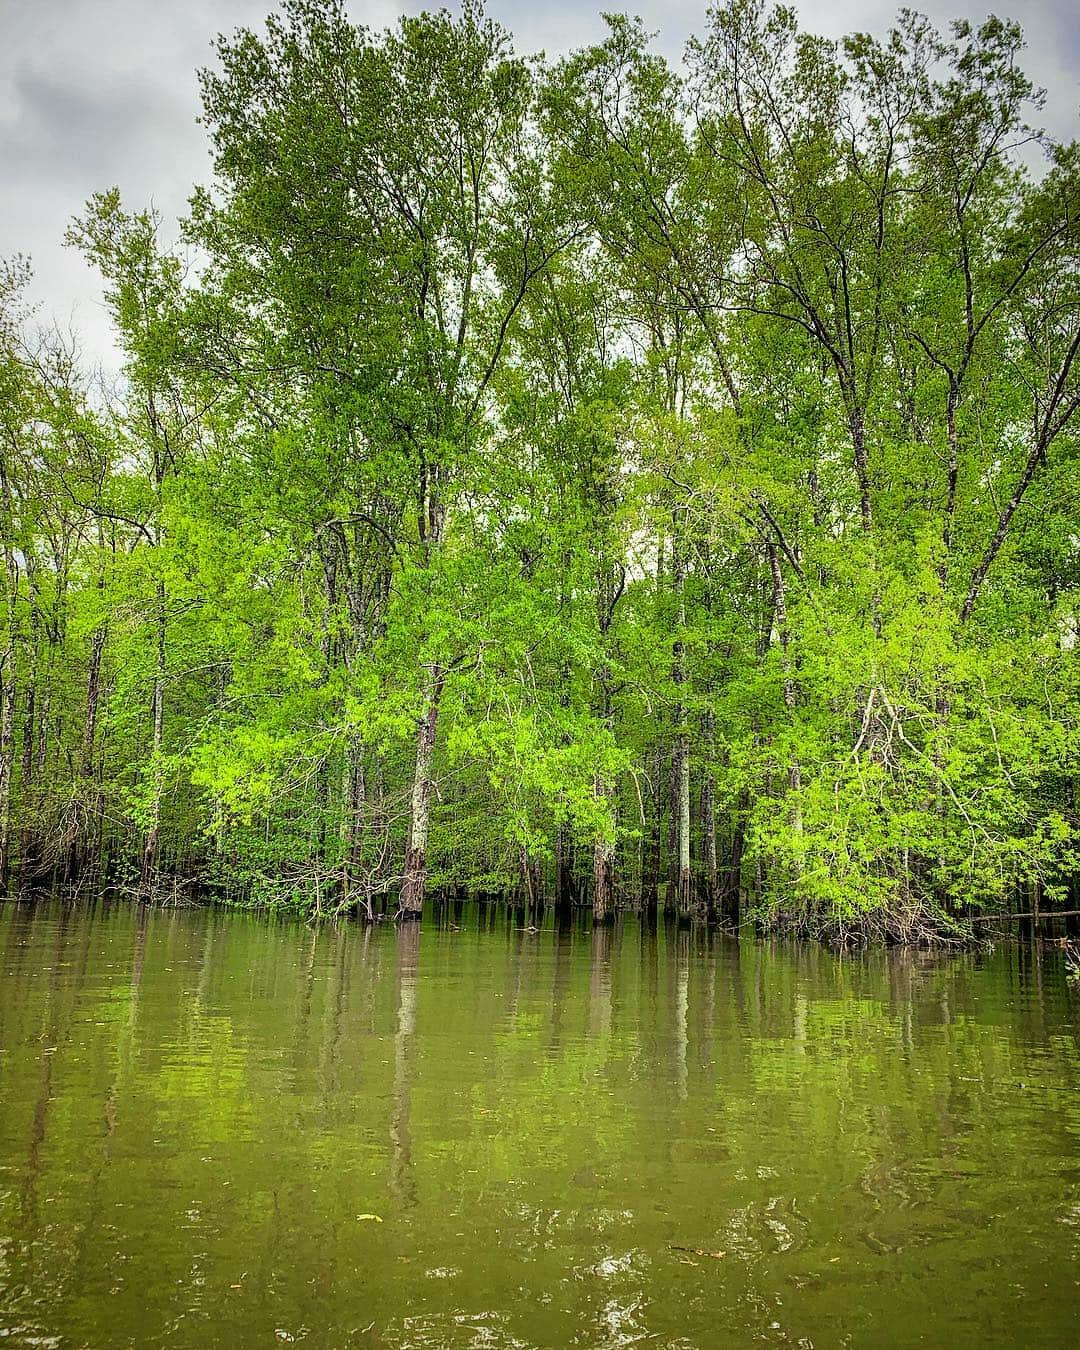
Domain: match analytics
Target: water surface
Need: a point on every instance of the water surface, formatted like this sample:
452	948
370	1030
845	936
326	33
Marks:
221	1130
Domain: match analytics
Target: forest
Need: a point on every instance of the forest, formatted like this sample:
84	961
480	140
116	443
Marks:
598	481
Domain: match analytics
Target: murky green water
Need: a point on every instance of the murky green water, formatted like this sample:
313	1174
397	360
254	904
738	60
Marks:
567	1138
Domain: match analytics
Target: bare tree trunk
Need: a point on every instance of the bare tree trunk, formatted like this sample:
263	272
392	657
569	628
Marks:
952	478
780	606
671	889
353	823
708	821
1055	410
8	674
603	870
152	842
412	889
562	871
7	756
29	808
683	883
733	883
82	847
650	862
530	881
82	842
781	621
1001	531
862	471
609	591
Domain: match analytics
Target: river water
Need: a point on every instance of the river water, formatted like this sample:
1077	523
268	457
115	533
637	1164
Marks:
221	1130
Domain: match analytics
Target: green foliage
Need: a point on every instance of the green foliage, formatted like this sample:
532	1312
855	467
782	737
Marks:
592	420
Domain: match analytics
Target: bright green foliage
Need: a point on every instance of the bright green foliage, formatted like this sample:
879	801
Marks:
557	473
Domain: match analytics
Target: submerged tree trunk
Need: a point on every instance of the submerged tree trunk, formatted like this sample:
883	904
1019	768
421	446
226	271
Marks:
530	880
415	878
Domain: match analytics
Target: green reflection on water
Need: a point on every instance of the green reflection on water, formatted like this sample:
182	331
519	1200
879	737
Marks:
570	1138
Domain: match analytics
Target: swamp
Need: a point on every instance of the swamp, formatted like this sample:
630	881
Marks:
539	700
220	1130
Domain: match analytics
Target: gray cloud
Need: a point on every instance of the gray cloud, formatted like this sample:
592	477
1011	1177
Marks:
61	130
102	92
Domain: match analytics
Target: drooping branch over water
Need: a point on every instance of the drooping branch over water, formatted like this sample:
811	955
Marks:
594	482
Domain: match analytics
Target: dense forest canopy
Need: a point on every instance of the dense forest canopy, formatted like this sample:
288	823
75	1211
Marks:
593	480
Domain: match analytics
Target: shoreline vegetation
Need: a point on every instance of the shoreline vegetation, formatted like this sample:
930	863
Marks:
449	910
600	483
463	911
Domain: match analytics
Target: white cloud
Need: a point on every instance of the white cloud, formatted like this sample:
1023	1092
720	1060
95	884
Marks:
102	92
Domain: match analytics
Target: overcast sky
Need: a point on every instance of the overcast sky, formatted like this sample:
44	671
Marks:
101	92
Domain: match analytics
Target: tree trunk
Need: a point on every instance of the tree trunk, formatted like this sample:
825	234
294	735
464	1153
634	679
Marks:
952	479
790	698
355	804
30	810
563	891
1051	420
7	756
650	862
733	872
862	472
708	823
151	844
683	883
603	871
82	847
671	889
8	674
530	881
412	889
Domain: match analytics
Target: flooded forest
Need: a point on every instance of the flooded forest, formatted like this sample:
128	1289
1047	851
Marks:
598	482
